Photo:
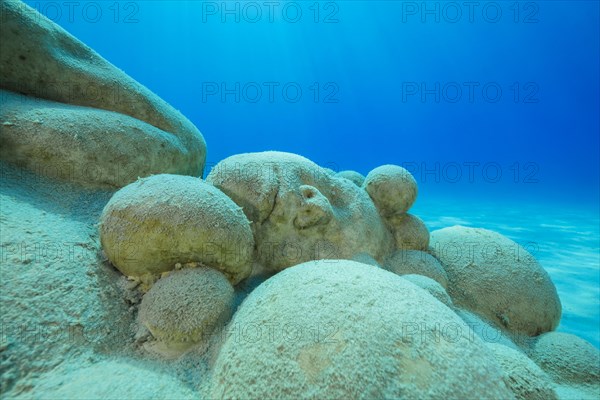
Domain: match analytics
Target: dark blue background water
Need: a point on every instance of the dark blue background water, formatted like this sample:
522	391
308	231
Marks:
389	82
374	66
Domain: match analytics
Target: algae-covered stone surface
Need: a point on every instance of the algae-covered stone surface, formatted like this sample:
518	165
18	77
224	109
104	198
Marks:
64	107
496	277
189	333
339	329
298	211
125	274
151	225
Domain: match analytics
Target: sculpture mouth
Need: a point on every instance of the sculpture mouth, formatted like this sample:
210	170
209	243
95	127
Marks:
312	216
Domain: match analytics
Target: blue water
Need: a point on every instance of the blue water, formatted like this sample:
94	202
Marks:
494	109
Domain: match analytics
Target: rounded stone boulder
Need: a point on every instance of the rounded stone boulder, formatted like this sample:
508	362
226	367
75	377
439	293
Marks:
392	188
567	358
526	380
404	262
186	306
340	329
151	225
495	277
352	176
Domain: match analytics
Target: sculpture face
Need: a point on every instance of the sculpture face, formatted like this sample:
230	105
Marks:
299	212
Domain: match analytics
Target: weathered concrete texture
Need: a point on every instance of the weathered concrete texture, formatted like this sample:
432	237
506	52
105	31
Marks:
58	300
299	212
185	307
96	122
392	188
567	359
493	276
155	223
526	380
366	345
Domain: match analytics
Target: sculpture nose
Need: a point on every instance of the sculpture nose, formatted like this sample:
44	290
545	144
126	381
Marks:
309	192
314	209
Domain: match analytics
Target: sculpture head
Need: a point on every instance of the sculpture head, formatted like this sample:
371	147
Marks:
299	211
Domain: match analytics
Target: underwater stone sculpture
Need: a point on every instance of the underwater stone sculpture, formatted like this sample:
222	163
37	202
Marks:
155	223
392	188
264	202
64	108
526	380
345	330
184	308
299	212
69	113
493	276
567	359
403	262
